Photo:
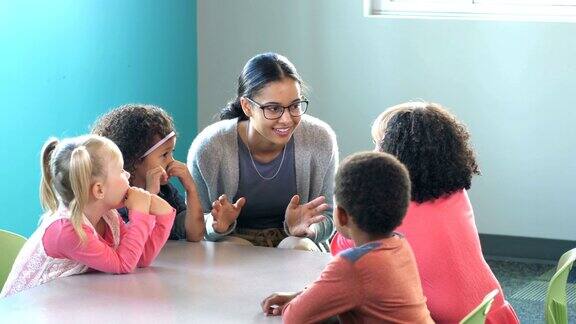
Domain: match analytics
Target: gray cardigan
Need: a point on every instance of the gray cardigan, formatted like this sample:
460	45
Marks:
213	163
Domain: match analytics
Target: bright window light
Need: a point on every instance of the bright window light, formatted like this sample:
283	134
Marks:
515	10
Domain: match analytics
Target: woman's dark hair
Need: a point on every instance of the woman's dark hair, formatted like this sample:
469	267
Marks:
258	72
432	144
135	128
374	189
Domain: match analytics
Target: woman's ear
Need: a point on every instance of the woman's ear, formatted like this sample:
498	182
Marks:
246	107
98	190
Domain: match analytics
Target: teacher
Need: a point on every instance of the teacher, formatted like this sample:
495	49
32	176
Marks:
265	171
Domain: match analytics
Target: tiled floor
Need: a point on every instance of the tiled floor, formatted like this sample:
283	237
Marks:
525	287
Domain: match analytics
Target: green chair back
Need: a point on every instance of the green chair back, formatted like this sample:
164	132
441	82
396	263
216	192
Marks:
556	311
478	314
10	245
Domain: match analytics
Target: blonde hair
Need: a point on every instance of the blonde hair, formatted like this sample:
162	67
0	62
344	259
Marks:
69	168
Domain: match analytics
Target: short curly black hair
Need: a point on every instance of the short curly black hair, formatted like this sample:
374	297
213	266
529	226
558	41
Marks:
374	189
135	128
432	143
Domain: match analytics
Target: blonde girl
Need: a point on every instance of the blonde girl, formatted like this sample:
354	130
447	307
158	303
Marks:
83	182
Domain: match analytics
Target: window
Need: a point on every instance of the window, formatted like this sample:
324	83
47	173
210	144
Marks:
523	10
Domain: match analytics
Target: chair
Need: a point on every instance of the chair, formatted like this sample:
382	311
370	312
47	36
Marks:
556	311
478	314
10	244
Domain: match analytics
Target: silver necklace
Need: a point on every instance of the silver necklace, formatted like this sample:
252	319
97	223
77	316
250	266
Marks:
254	164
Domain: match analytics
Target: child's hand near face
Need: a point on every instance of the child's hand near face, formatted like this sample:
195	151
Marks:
159	206
138	199
154	178
180	170
194	223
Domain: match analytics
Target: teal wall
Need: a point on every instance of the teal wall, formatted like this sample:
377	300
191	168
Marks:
511	82
63	63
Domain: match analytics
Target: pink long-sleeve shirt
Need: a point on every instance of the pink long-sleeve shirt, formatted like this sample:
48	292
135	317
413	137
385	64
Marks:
139	242
375	283
455	277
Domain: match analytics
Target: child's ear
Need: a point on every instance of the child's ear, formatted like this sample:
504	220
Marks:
98	190
246	108
343	218
342	221
139	162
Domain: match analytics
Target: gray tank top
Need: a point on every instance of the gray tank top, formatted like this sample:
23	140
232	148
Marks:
266	200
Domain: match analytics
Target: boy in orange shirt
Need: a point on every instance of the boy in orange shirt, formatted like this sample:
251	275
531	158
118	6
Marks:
376	282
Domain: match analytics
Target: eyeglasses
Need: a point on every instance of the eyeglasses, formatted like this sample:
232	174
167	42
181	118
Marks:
275	111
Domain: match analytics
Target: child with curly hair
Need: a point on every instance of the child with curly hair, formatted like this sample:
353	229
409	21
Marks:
146	136
439	223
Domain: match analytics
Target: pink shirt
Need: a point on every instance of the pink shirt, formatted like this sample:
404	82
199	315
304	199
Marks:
455	277
375	283
139	242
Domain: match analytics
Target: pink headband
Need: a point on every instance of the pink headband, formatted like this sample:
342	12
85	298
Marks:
162	141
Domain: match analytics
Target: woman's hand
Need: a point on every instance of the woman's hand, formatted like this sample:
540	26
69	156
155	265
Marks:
180	170
138	199
225	213
273	304
154	178
298	217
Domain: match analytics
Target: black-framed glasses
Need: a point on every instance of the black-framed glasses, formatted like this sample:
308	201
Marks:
275	111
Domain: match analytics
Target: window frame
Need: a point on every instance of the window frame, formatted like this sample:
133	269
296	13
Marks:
515	10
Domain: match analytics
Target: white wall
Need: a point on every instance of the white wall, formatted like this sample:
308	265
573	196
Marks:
511	82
